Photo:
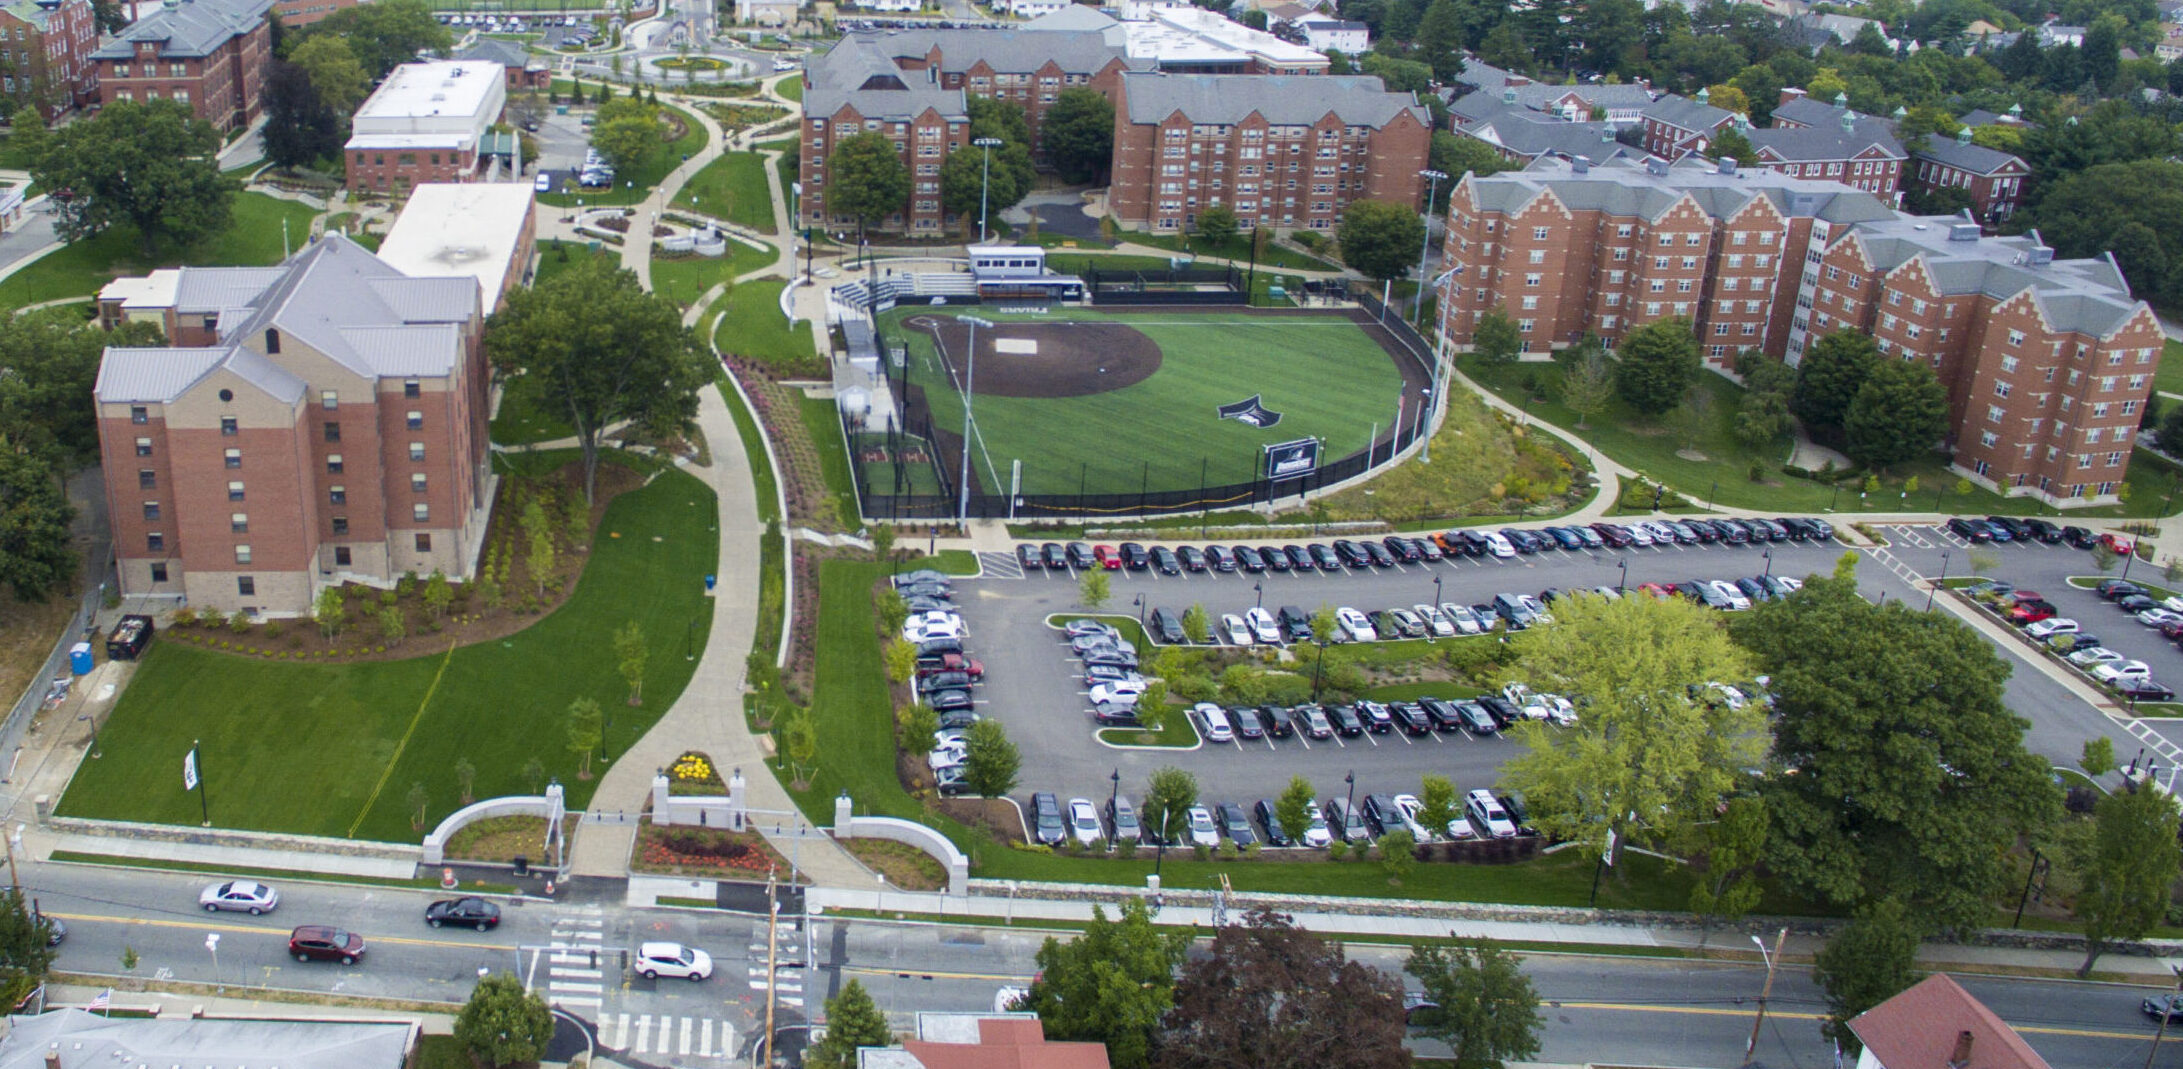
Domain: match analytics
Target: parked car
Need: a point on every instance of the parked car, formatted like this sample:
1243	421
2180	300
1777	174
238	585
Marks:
1353	624
1249	559
1316	724
1057	559
2144	690
1046	820
1084	822
1134	557
1108	557
1027	557
1234	825
1081	556
1262	625
1487	816
1232	629
320	942
1381	815
1247	723
1201	830
2052	626
1165	561
239	896
1437	623
1279	723
2078	538
1346	720
2119	672
655	960
1345	822
470	912
1167	627
1122	817
2094	656
1213	720
1270	822
2112	589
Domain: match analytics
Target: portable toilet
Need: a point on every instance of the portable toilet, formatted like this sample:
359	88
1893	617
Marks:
79	658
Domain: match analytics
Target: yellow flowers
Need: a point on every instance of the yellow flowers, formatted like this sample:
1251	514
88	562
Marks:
694	768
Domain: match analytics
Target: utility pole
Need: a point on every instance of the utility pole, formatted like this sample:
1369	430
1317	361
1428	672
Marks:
2170	1008
773	920
1766	991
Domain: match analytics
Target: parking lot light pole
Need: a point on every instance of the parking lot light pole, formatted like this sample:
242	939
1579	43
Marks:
1140	601
1935	588
970	374
1623	584
1433	180
1117	792
985	182
1350	806
1260	590
1436	592
1318	671
1768	556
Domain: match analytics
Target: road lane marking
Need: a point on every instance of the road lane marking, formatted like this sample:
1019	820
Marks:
1746	1011
150	922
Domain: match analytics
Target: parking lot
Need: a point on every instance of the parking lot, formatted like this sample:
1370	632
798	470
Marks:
1033	686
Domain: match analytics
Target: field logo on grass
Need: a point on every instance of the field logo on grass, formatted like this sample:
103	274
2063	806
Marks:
1250	411
1287	460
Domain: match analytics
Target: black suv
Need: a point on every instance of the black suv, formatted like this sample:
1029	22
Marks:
1134	557
1346	720
1412	717
1381	815
1295	624
1353	554
1167	627
1279	723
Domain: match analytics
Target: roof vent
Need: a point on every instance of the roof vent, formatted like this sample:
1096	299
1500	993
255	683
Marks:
1508	95
1963	136
1963	231
2041	254
1580	165
1705	96
1841	100
1657	167
1728	165
1849	123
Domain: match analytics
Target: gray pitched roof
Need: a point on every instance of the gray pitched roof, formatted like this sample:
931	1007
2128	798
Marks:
1533	134
1539	97
1977	159
1808	112
494	50
1687	114
858	74
152	376
2088	296
1826	139
190	28
1629	187
1072	17
216	289
1357	100
1016	50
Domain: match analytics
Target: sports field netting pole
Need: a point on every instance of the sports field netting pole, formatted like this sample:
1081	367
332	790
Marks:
1433	180
985	183
970	372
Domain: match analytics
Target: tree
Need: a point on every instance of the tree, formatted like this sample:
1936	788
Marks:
1505	48
1767	385
1195	626
1440	38
2121	207
37	552
919	723
153	167
1834	368
300	130
26	951
1487	1011
1731	144
1293	808
1455	156
626	136
1093	589
1870	960
1647	759
1111	984
1495	338
331	611
382	34
586	732
630	653
604	351
1270	995
2128	868
990	761
869	181
1899	414
1398	853
335	74
1587	385
1734	845
968	187
419	802
2098	758
1437	806
503	1024
882	541
1399	75
466	780
1078	134
1912	776
49	360
438	593
801	733
1169	794
1217	225
1381	238
1659	363
853	1022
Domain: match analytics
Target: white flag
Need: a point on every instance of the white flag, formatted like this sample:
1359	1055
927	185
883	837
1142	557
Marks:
189	770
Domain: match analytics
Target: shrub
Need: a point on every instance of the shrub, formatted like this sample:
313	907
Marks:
184	618
1201	851
272	631
239	623
1336	849
1226	851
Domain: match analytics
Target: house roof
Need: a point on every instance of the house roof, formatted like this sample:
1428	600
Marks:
1073	17
1924	1025
90	1039
983	1041
1687	114
2086	296
1539	97
1645	189
189	28
1532	134
1963	155
857	73
1823	137
494	50
1357	100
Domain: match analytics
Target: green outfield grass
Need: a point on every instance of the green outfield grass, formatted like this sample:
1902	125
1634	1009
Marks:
333	749
1325	376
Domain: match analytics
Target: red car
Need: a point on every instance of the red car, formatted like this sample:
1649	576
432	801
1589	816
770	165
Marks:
1108	557
950	662
1656	590
319	942
2115	543
2030	612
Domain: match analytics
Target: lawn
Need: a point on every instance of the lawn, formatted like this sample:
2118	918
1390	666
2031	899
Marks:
686	278
253	238
555	256
637	183
751	326
524	417
2168	376
820	419
732	187
334	749
1326	377
791	89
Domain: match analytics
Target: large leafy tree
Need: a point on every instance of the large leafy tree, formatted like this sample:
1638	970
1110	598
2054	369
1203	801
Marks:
1381	238
1647	759
1868	961
1270	995
627	129
2128	866
968	186
1077	134
503	1024
383	34
1767	384
1495	338
36	555
1659	361
48	361
152	167
1488	1011
2120	206
1911	775
1169	793
338	76
1834	368
868	180
1113	984
26	950
300	130
1899	414
853	1022
604	351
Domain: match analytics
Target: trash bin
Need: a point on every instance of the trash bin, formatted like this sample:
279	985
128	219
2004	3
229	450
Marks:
79	658
522	865
709	581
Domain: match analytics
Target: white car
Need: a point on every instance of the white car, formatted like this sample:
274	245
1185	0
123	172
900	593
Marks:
936	623
2150	618
1536	708
1200	822
544	182
1459	829
1084	822
1465	619
1082	628
1498	544
655	960
1315	834
239	896
2089	659
1485	812
1536	608
1409	807
1639	535
1726	695
2123	672
1353	624
1560	710
1789	583
1516	693
1231	627
2057	625
1728	592
784	65
1437	624
1263	626
951	753
1118	692
1215	721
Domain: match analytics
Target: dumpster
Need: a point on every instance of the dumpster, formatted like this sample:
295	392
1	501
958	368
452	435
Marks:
129	638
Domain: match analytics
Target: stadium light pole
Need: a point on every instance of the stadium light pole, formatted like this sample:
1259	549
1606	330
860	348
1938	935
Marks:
970	372
985	182
1433	180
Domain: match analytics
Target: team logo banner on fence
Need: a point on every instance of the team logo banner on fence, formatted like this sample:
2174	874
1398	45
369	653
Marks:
1288	460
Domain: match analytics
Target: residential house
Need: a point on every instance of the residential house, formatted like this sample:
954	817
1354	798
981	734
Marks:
1814	140
1936	1024
1679	126
982	1041
1993	179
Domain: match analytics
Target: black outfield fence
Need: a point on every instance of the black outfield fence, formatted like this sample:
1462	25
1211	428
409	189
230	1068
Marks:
1406	338
1207	284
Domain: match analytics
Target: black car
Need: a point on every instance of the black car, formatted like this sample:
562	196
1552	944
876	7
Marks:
1115	714
2043	531
1442	713
1378	719
1732	532
1299	558
1381	558
464	913
1775	532
1346	721
1798	531
950	701
1268	820
2078	641
1500	709
1163	559
2144	690
1234	824
1249	560
1279	723
1345	821
1381	815
1403	549
2170	1006
957	720
1471	543
1477	718
1295	624
1326	557
1166	626
2112	589
1756	589
1047	825
1057	558
1412	717
1193	558
2018	529
2078	538
1247	724
1134	557
1221	558
938	681
1027	556
1522	541
1080	556
1275	558
2135	603
1519	811
1566	537
1352	554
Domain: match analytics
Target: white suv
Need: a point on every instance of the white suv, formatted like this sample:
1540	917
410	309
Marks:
1487	815
655	960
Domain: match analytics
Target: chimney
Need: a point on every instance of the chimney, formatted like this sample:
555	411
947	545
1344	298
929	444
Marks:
1579	165
1960	1058
1789	95
53	1059
1508	96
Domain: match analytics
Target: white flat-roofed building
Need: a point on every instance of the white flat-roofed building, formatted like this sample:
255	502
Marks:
425	123
484	229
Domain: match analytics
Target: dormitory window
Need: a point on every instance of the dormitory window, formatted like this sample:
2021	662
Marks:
238	523
155	542
416	450
246	586
159	571
233	458
329	400
235	491
333	431
337	495
416	482
410	388
416	421
272	342
341	556
424	542
333	463
420	513
147	479
242	554
139	414
228	427
151	511
143	447
341	525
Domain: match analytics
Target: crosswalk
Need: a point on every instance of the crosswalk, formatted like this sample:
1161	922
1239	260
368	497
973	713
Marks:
574	971
787	983
662	1034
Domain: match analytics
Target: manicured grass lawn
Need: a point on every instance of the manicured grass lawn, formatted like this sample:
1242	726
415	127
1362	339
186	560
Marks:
824	425
791	89
686	278
751	326
2168	376
732	187
647	174
253	238
524	416
15	157
307	747
1325	376
555	257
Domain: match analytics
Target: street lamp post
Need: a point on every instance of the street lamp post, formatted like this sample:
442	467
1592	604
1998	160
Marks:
1436	593
1935	588
1764	992
985	181
1140	602
1116	792
1318	671
1260	590
1349	806
970	374
1768	556
1623	584
212	944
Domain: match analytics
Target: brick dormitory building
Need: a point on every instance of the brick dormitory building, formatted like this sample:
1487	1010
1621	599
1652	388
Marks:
2047	362
209	54
1207	113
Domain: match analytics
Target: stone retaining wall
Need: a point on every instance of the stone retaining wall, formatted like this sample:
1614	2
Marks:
247	840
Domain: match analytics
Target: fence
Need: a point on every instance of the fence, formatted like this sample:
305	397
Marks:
1406	337
1210	284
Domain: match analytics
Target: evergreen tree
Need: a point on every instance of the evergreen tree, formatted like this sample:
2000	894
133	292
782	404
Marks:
853	1022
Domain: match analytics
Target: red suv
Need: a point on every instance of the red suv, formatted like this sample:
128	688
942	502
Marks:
2030	612
1107	557
318	942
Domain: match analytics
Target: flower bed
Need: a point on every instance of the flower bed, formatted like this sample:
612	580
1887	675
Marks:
694	773
679	851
